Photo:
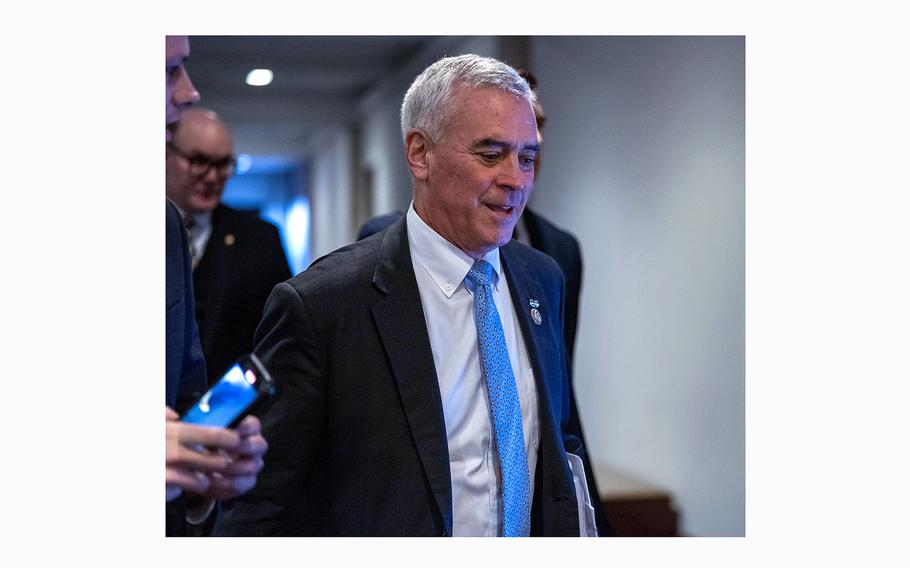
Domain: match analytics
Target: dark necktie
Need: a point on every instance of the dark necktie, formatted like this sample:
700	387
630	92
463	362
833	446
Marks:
504	404
192	228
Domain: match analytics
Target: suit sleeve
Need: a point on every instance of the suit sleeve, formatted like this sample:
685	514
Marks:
287	346
573	294
193	378
185	364
185	361
573	428
571	436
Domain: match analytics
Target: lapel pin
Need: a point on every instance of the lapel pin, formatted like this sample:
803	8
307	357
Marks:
229	239
535	313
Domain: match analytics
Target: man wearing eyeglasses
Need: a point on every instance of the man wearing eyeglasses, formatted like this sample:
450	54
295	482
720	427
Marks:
202	464
237	258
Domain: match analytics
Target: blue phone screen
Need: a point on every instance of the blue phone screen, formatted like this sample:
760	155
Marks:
226	400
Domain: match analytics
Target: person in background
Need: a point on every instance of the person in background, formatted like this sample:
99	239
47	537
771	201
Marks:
237	257
202	464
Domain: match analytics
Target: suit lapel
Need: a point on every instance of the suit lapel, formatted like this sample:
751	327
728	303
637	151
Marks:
552	484
524	288
224	231
400	321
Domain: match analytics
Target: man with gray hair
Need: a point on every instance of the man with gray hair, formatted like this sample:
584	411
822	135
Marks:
421	371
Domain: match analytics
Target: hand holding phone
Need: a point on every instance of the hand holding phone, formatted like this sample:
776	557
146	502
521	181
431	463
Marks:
194	454
215	463
245	385
227	404
246	463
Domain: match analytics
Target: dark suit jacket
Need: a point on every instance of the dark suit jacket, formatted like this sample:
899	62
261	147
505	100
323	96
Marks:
565	250
357	436
243	261
184	364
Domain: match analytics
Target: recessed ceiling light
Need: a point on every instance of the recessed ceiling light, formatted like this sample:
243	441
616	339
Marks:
259	77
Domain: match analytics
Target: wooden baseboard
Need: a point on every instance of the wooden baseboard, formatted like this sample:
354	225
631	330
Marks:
642	517
635	507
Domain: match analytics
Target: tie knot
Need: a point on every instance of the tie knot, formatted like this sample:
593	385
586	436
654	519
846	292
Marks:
481	273
189	222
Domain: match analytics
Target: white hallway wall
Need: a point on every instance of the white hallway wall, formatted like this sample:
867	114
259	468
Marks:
331	183
644	163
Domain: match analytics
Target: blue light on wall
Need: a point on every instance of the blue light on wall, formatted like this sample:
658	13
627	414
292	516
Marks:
297	233
270	186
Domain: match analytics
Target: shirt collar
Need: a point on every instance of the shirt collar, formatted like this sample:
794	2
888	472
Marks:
446	264
202	220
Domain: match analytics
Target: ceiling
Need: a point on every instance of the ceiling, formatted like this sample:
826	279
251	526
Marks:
318	82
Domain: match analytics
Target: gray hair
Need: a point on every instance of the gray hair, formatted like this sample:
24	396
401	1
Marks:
427	105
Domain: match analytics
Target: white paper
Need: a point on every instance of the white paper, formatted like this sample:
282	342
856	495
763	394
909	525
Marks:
586	524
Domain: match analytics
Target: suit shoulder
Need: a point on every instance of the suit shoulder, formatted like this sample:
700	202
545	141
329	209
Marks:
552	231
174	232
243	221
350	266
533	259
171	212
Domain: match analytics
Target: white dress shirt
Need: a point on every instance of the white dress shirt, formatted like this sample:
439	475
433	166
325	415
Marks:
448	307
201	232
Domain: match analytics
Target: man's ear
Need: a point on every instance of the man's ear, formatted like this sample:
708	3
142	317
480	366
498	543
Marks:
416	149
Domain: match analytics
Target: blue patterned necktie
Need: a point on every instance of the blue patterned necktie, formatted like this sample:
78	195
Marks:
504	405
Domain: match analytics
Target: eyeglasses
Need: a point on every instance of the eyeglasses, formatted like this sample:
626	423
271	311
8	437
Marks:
200	165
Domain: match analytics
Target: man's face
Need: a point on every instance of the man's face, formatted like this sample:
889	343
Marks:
194	188
480	175
179	90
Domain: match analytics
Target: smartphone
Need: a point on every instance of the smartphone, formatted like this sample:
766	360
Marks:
246	384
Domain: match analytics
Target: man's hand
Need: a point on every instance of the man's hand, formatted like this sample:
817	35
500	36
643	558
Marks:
245	463
193	454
